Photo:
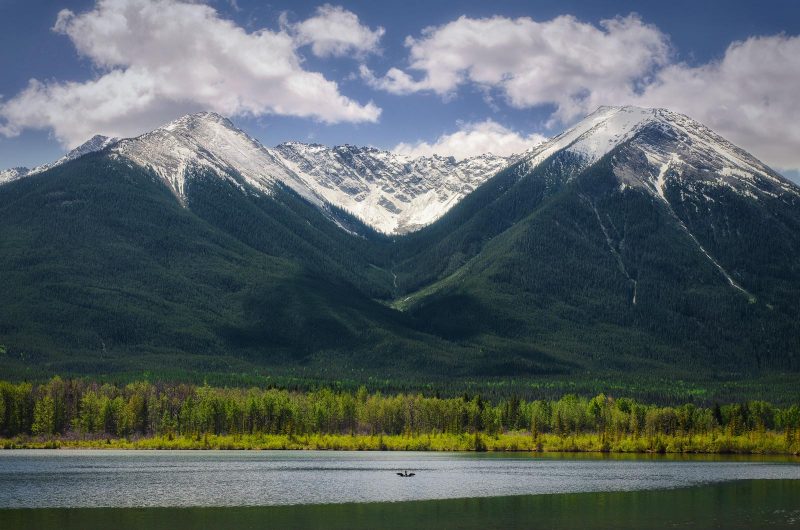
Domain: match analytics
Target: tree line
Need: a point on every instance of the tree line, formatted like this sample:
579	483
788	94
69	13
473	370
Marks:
77	407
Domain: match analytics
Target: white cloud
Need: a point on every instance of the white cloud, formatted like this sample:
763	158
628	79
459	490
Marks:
335	32
473	139
570	64
750	96
160	58
395	81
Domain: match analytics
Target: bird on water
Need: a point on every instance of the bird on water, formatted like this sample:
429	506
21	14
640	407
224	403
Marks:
406	474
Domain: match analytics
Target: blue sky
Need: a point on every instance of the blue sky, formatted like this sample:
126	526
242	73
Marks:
495	75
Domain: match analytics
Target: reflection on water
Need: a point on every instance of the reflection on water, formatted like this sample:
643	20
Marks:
730	505
39	479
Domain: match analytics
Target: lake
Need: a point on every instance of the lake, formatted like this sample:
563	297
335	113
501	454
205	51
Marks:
317	489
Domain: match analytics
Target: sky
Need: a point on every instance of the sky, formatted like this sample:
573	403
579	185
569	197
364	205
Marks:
456	78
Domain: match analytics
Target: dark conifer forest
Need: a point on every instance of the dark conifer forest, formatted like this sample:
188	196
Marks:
538	279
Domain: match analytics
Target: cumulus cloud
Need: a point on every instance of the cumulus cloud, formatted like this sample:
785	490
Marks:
160	58
564	62
749	96
474	138
335	32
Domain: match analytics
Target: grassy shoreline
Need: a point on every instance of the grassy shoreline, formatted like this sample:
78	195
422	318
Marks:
767	443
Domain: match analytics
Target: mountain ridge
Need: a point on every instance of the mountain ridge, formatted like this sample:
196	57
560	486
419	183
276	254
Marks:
97	142
343	176
636	242
397	194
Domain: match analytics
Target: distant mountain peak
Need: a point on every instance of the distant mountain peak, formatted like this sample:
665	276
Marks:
390	192
203	141
671	142
13	173
596	134
197	119
97	142
396	193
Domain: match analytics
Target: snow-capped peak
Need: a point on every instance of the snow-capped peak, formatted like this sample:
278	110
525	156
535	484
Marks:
12	174
392	193
389	192
97	142
208	141
396	193
680	142
595	135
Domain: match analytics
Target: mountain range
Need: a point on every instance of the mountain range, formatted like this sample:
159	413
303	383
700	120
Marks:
638	241
392	193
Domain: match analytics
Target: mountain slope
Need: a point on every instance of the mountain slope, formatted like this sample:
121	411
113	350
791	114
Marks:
638	236
12	174
105	271
95	143
390	193
638	242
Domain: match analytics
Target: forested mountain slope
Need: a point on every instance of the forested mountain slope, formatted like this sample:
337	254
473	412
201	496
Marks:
637	242
666	244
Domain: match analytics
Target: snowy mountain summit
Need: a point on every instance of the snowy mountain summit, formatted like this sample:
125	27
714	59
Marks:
663	148
656	151
696	175
96	143
12	174
391	193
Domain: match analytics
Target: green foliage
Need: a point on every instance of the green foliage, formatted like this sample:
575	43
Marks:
104	272
44	417
551	277
597	278
145	415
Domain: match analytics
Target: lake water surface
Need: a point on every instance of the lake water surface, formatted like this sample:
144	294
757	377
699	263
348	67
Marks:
114	479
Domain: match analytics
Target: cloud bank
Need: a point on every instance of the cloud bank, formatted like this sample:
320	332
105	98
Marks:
748	95
157	59
161	58
474	138
565	62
